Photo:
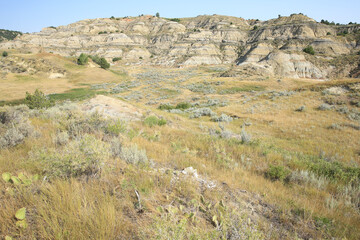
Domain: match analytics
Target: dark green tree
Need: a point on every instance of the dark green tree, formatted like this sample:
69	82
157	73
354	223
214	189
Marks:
104	64
309	50
83	59
157	14
5	54
37	100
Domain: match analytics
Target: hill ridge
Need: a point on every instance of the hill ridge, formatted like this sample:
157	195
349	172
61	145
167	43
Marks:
265	46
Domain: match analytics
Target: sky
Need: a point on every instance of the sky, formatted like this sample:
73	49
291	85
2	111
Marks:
33	15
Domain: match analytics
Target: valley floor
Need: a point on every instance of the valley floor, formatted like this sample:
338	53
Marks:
179	153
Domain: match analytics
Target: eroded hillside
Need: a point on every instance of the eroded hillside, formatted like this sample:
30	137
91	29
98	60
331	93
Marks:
273	47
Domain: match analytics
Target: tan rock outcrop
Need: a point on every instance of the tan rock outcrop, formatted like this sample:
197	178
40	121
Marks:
273	47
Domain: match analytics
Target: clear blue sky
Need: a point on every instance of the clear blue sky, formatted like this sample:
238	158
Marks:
32	15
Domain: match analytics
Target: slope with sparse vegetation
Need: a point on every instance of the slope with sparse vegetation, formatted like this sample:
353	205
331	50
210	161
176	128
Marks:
8	34
176	153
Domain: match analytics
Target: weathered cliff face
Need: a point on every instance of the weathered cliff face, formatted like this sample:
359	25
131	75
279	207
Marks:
275	46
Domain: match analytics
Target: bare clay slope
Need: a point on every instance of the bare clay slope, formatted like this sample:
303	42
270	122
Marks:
273	47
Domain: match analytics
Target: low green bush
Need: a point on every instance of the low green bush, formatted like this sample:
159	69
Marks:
183	105
134	155
37	100
245	88
78	124
100	61
5	54
84	157
343	33
277	173
83	59
166	107
174	20
116	127
115	59
309	50
334	170
153	121
104	64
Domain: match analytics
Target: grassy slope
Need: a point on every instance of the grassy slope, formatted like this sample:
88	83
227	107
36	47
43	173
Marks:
8	34
14	86
105	207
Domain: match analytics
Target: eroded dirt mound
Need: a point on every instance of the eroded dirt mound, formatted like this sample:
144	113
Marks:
112	107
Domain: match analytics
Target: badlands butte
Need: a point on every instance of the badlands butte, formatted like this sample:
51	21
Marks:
268	48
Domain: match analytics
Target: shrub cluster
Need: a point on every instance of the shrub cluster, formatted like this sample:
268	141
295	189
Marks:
245	137
166	107
115	59
222	118
308	178
204	87
324	107
38	100
14	126
278	173
135	156
83	157
310	50
174	20
80	124
343	33
181	106
327	22
334	170
83	59
153	121
196	113
115	147
115	127
100	61
61	138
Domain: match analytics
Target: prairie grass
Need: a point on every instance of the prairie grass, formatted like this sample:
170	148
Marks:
294	177
75	94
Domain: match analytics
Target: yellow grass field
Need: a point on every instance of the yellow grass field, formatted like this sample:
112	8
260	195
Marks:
282	167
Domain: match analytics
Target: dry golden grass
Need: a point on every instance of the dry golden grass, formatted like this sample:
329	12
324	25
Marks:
14	86
106	207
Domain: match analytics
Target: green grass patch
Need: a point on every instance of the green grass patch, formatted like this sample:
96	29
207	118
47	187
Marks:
76	94
153	121
277	173
166	107
174	19
332	169
245	88
24	78
122	74
74	66
182	106
168	91
116	127
12	102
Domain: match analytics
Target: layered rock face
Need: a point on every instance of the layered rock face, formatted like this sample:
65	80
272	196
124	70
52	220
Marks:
274	47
